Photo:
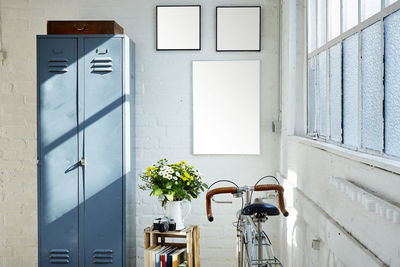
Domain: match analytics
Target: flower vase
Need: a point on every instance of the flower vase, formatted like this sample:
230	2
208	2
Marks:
173	210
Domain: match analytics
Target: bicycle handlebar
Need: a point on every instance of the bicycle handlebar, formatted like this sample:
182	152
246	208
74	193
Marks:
267	187
233	190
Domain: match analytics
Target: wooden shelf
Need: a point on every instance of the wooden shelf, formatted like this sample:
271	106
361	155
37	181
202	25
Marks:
190	233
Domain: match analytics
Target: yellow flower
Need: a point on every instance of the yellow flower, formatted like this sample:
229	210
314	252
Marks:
188	183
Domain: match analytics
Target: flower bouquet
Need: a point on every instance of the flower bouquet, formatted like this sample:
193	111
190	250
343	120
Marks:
172	182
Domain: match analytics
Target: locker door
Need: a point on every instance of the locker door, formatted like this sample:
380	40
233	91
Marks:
57	152
103	152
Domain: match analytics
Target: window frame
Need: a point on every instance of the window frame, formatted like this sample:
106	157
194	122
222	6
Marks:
312	56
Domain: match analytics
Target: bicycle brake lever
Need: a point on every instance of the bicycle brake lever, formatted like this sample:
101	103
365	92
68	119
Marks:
221	202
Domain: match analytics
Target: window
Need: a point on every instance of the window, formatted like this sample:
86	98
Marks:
354	74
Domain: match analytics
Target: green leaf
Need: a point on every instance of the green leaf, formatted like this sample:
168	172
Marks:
157	191
170	197
169	185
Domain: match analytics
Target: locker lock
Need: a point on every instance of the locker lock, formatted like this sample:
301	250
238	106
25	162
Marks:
82	162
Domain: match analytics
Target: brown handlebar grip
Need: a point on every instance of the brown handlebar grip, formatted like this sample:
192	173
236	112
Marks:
267	187
216	191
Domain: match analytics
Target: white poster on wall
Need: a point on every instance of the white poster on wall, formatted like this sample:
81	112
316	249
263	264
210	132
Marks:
226	107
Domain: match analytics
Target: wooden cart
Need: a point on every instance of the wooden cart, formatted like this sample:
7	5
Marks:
190	233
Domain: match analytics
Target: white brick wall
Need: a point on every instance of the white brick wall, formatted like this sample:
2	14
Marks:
163	98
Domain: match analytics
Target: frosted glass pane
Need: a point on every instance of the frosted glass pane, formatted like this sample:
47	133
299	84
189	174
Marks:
335	92
369	8
321	23
350	14
311	95
322	101
333	18
392	84
371	108
350	91
389	2
312	25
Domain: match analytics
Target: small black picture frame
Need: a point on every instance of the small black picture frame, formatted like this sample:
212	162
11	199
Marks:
238	29
178	27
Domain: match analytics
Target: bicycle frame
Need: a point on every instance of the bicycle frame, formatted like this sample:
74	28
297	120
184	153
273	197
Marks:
254	247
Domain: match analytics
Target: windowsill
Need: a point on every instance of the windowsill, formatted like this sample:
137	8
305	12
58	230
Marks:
385	164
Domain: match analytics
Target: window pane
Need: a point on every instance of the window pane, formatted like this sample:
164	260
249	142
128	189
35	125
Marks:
389	2
369	8
312	25
392	84
311	95
333	18
321	25
350	91
371	109
335	92
350	14
322	106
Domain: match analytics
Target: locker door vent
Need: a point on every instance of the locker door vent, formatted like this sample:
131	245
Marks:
58	65
102	256
102	64
59	256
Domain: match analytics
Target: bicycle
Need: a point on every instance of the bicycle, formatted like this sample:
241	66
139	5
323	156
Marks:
254	245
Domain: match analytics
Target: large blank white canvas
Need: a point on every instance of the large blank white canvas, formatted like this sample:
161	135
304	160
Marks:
226	107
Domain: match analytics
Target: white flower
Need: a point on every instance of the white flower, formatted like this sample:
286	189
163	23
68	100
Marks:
177	174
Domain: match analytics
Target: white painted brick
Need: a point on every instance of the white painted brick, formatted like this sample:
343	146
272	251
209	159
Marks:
155	131
146	120
175	120
15	27
26	12
17	242
11	261
146	142
13	3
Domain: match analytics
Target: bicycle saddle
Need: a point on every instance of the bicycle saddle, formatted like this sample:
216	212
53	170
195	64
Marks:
261	208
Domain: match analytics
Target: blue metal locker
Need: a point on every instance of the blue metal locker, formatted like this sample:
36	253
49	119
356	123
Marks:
85	154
